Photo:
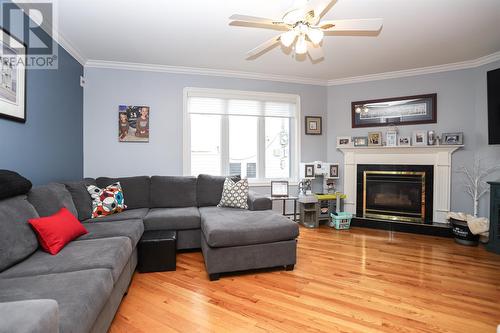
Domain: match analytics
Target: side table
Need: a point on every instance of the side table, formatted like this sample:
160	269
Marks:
284	200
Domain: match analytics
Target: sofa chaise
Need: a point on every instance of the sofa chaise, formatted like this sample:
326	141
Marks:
80	288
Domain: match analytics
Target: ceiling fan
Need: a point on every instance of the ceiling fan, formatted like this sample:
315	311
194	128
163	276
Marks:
304	28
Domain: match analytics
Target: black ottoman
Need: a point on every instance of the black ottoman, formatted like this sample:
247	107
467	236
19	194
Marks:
156	251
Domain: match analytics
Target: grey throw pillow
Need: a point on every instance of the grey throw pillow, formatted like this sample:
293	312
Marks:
234	194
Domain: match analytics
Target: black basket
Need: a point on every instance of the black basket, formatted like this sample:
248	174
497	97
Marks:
462	233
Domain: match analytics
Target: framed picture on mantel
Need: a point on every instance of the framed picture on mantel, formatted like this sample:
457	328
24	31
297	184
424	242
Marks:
408	110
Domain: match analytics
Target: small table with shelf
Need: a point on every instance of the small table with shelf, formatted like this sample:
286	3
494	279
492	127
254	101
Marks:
284	199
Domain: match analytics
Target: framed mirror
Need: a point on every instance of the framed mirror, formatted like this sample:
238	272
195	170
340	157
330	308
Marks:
408	110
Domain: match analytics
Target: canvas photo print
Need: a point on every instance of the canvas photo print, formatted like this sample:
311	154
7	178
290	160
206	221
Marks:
133	123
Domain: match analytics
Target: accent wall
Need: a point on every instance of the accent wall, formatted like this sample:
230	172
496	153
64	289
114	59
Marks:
49	146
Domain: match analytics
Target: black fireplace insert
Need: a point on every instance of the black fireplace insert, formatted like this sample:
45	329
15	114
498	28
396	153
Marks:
395	192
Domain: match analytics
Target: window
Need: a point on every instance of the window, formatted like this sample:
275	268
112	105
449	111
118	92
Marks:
251	134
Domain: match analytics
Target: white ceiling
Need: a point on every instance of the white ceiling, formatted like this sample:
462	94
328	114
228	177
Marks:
196	33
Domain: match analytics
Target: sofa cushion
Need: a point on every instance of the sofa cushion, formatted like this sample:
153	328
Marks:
29	316
132	229
135	189
233	227
106	201
234	194
111	253
48	199
57	230
173	191
172	219
80	295
209	189
12	184
17	239
129	214
81	197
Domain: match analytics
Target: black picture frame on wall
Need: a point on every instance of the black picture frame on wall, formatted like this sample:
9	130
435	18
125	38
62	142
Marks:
13	83
406	110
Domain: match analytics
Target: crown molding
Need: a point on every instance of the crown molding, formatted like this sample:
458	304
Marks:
202	71
292	79
52	29
70	48
418	71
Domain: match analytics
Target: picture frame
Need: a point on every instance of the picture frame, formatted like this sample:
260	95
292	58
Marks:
391	139
456	138
344	141
314	125
375	138
333	171
360	141
13	82
309	171
406	110
404	141
419	138
133	123
279	188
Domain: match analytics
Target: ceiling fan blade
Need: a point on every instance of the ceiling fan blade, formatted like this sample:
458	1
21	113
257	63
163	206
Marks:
351	25
319	7
254	53
253	19
315	51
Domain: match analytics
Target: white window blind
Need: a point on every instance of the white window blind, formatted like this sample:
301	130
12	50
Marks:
232	132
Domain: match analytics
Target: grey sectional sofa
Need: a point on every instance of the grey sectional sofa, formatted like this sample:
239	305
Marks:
80	288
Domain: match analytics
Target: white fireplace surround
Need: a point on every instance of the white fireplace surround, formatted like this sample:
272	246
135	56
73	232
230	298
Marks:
438	156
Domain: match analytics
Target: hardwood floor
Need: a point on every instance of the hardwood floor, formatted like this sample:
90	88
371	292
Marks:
360	280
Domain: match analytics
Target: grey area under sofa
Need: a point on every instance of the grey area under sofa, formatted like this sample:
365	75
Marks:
89	277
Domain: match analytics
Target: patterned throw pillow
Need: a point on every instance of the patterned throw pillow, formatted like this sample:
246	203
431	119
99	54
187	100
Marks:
106	201
234	194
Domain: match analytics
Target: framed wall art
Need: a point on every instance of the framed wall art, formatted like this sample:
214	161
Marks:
360	141
309	171
333	171
408	110
133	123
313	125
279	188
375	138
404	141
344	141
419	138
391	139
12	78
452	138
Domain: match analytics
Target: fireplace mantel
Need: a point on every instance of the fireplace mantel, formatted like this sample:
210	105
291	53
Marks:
438	156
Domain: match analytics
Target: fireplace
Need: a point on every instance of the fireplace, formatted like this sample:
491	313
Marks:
395	192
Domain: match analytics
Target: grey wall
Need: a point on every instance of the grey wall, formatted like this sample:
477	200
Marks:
105	89
462	106
49	146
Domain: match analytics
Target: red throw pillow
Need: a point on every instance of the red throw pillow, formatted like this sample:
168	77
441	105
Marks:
57	230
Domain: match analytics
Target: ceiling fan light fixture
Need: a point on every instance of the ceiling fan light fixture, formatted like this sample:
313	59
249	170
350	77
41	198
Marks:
315	35
288	38
301	45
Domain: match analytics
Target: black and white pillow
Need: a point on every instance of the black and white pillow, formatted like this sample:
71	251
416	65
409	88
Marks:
234	194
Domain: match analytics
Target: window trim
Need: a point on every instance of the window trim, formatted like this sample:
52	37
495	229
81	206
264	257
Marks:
253	95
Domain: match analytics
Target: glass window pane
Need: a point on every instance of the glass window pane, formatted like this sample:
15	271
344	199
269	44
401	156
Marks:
277	147
243	131
205	144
